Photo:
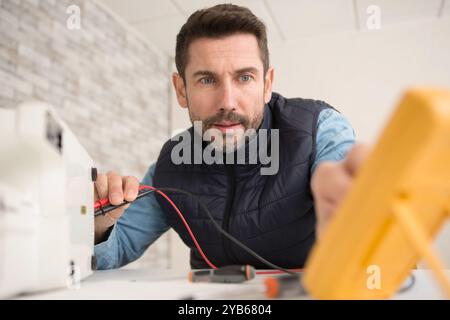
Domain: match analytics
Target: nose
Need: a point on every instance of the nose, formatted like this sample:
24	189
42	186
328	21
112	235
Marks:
228	96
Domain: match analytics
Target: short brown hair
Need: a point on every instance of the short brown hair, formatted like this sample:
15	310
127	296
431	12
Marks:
216	22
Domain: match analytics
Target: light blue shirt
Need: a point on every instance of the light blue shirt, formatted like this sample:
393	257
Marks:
144	221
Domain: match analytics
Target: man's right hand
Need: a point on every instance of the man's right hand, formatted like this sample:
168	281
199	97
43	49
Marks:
331	182
117	189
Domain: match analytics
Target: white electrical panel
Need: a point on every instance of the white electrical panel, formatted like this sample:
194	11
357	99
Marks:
46	202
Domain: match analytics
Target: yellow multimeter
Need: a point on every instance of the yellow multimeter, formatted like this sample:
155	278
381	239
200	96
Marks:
399	200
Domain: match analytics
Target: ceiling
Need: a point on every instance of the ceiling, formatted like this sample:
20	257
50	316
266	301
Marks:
160	20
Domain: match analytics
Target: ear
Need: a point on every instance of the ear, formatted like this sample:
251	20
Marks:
268	84
180	89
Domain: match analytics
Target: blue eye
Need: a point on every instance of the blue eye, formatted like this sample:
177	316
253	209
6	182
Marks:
207	80
245	77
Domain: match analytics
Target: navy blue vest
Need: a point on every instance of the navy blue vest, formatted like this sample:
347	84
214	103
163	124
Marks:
272	214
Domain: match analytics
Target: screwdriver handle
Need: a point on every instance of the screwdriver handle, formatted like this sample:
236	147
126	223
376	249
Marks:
227	274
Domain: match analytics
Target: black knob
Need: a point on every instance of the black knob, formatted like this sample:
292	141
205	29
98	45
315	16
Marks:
93	263
94	174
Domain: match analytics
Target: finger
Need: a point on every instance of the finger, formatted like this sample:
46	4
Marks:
326	209
330	181
356	157
115	191
117	213
324	212
130	187
101	185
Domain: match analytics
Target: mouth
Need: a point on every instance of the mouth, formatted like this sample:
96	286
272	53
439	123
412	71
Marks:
227	125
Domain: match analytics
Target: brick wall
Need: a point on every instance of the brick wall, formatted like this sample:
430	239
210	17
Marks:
107	83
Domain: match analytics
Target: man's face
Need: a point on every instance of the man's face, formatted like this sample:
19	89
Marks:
225	85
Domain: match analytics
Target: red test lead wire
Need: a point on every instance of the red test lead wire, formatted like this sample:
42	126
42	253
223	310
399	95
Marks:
104	202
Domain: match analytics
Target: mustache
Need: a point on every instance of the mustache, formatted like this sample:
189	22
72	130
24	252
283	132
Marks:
226	116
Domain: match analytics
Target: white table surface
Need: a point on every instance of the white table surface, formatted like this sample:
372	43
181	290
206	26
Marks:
163	284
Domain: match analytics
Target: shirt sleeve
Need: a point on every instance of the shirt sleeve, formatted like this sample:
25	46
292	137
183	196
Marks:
141	224
335	137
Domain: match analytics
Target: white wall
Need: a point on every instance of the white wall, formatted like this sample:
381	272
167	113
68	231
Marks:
363	74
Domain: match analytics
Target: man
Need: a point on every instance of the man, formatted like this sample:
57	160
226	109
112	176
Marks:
225	80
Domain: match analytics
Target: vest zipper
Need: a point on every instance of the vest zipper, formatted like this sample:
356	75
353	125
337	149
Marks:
231	188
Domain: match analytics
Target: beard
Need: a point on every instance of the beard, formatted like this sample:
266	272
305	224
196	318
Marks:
231	140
